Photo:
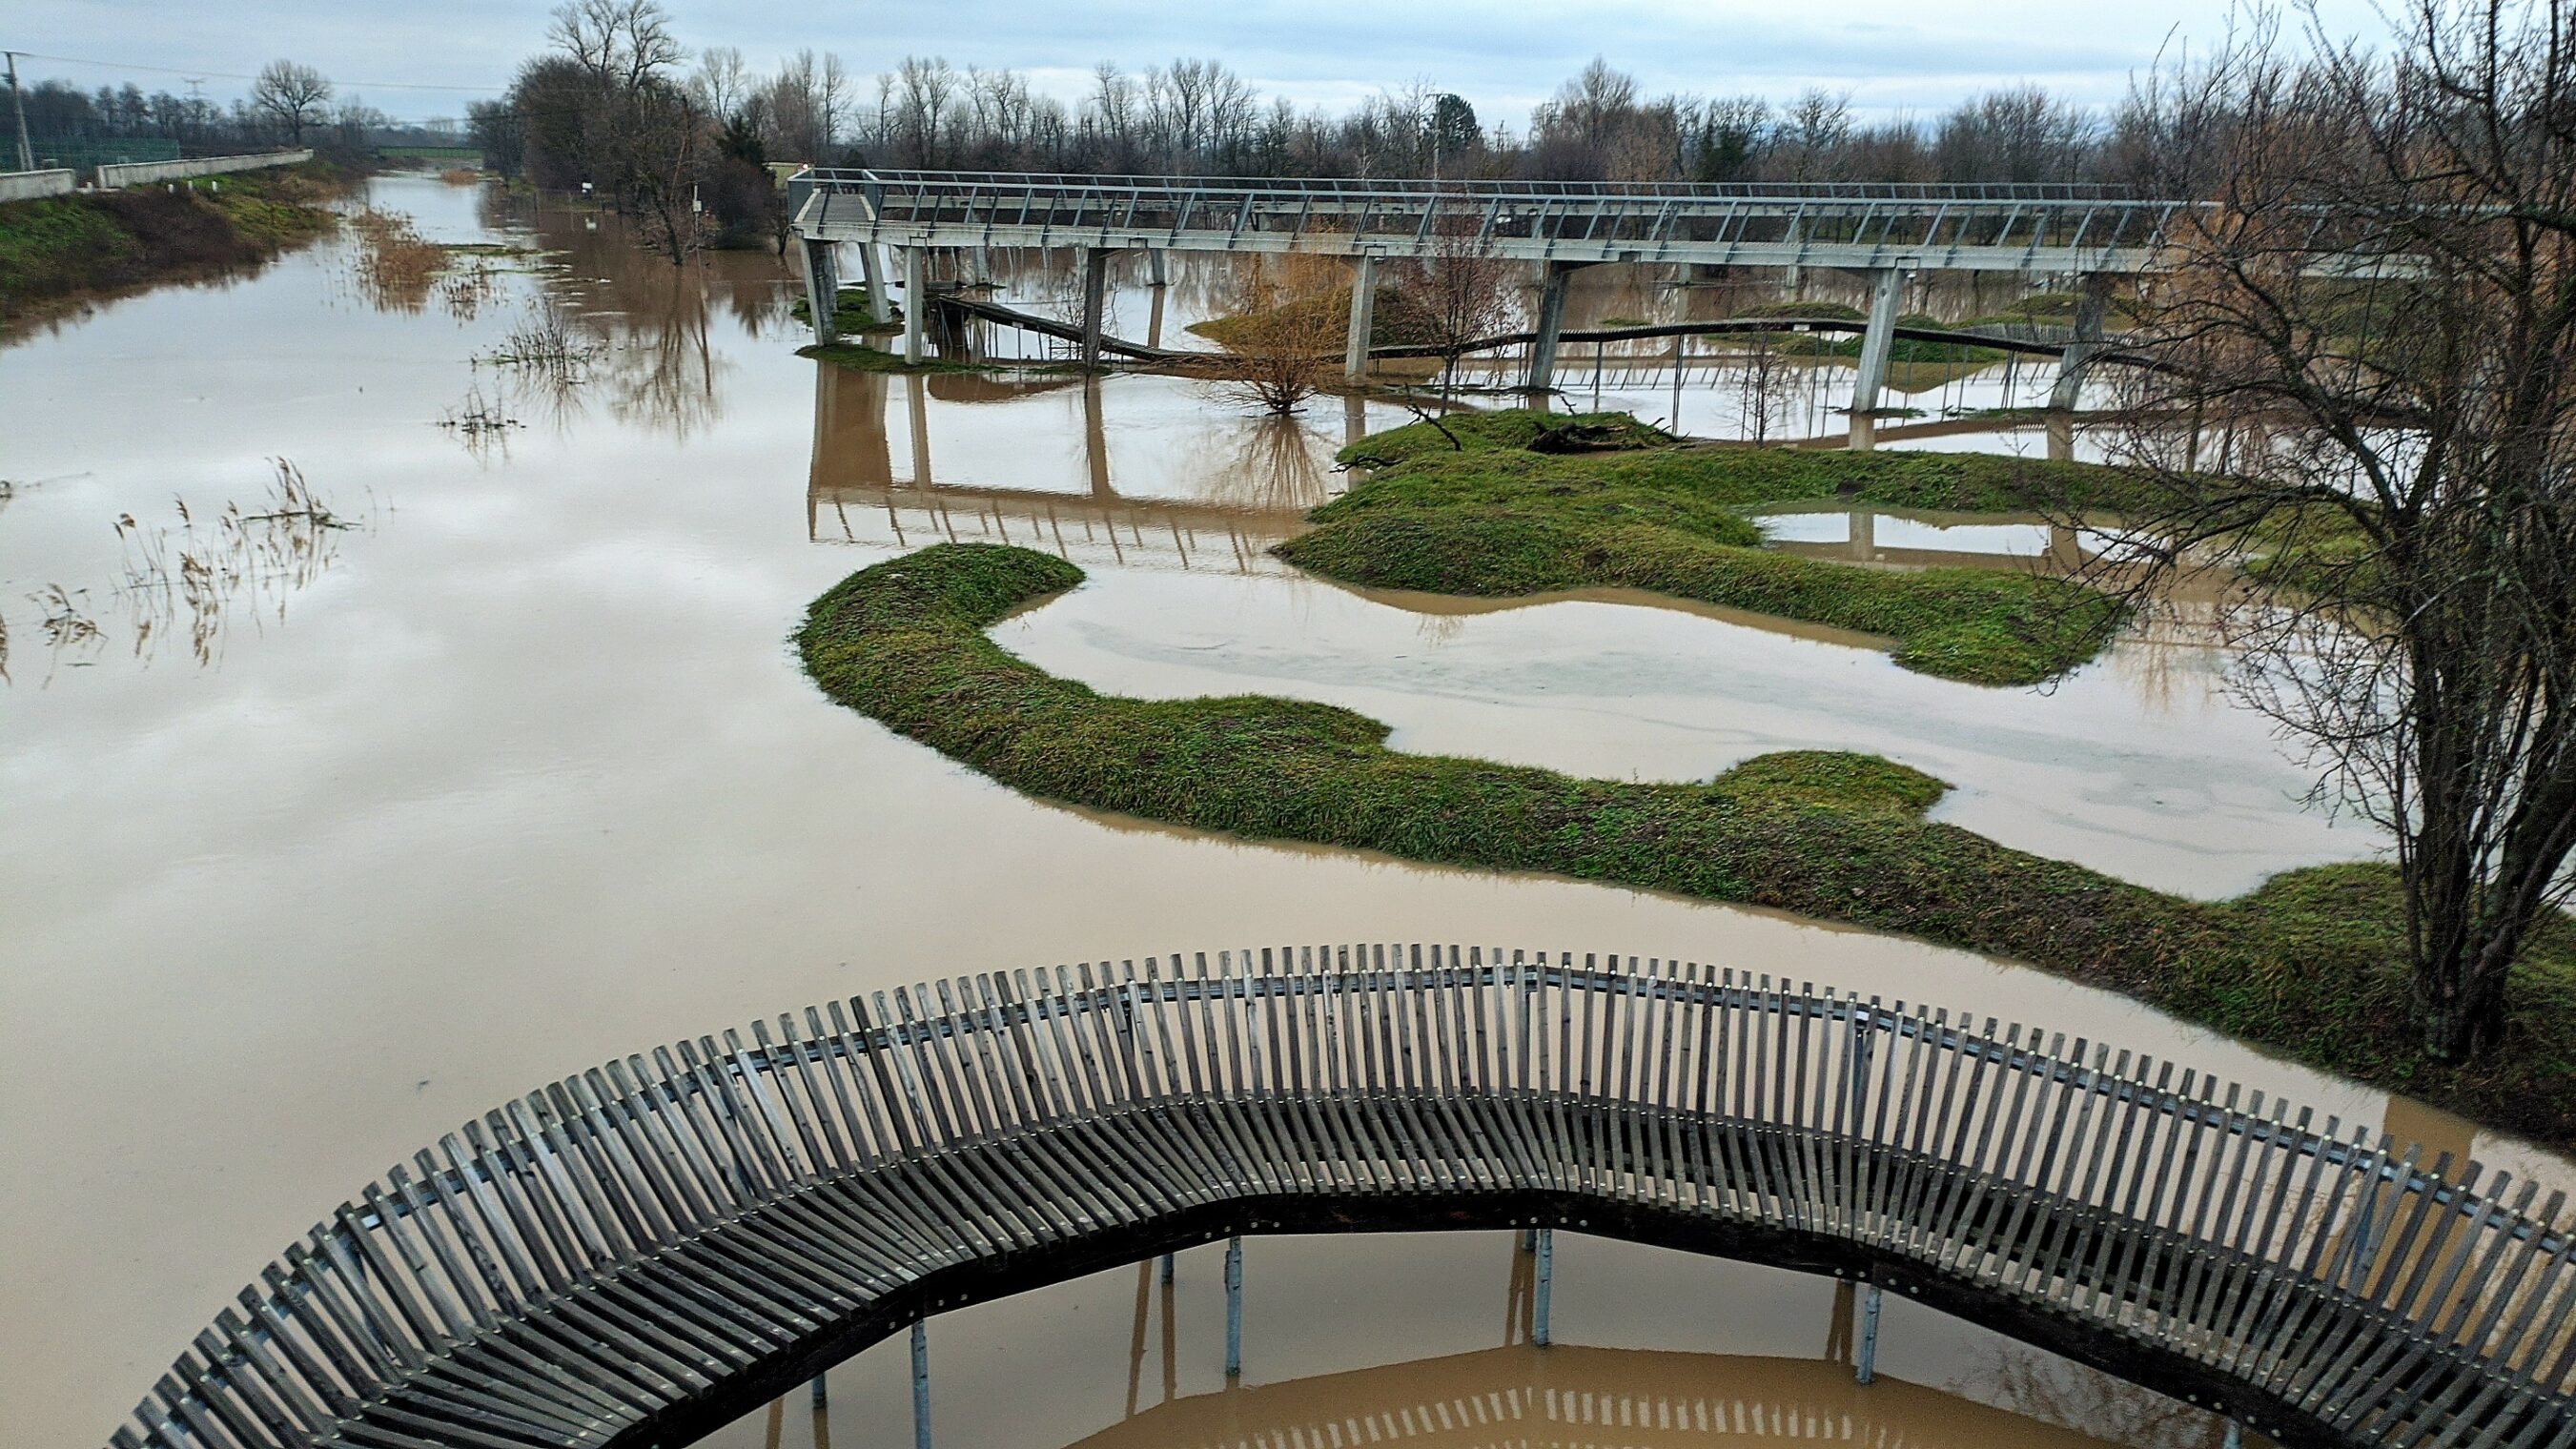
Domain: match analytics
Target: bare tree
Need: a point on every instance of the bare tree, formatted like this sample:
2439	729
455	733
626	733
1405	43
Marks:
927	87
722	82
622	43
294	96
2377	311
1287	337
1769	385
1462	293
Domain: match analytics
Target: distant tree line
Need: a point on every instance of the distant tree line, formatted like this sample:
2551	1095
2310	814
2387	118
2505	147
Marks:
616	103
1197	115
290	104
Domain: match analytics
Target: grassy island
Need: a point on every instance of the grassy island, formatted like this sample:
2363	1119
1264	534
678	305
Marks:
1490	517
2311	965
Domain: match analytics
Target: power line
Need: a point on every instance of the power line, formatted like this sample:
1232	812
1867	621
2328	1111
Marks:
234	75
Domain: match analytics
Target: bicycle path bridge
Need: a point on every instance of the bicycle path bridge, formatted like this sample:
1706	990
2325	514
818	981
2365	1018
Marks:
642	1253
1887	231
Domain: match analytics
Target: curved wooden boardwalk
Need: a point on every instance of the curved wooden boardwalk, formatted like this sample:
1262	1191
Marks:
641	1253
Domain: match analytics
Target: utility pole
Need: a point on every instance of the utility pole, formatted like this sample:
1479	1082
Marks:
18	101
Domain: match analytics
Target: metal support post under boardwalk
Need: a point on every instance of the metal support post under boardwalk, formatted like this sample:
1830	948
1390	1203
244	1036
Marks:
1865	1357
920	1384
1234	1308
1540	1293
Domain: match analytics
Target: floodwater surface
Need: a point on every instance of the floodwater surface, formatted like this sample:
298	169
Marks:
388	732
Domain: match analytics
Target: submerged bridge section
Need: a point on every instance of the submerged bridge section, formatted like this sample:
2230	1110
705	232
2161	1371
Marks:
1885	231
641	1253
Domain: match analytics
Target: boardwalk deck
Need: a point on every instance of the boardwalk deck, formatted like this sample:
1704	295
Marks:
640	1253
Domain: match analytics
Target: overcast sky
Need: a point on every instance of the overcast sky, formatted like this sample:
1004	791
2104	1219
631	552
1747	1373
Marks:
1501	56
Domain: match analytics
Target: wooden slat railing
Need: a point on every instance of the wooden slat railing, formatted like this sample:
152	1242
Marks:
640	1253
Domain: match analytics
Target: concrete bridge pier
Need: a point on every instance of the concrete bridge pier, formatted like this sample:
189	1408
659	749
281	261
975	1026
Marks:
872	270
2093	299
1158	267
1095	293
822	286
1887	291
1355	351
916	303
1551	321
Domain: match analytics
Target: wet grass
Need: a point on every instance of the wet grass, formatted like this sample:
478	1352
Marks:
2310	966
851	315
859	357
1490	518
57	249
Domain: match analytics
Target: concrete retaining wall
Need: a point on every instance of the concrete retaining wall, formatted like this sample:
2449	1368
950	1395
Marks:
136	173
28	185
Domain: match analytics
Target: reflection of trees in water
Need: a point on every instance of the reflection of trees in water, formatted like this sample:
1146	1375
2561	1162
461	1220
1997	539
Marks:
654	367
1266	465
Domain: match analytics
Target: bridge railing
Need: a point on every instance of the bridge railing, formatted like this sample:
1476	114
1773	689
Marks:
1464	187
2312	1261
1936	225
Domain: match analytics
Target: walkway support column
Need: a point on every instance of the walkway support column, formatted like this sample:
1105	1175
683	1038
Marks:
1234	1308
1865	1357
920	1384
2092	300
1158	267
1095	291
915	305
1551	321
872	270
1540	1294
1168	1267
822	286
1887	290
1355	351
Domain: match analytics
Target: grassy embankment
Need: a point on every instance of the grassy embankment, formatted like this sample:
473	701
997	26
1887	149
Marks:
2310	965
59	249
1495	520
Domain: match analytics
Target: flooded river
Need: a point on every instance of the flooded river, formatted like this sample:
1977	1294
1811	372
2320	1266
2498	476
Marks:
486	758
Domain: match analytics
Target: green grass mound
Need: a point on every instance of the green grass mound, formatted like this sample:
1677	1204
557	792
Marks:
1501	429
852	316
860	357
1491	519
2310	966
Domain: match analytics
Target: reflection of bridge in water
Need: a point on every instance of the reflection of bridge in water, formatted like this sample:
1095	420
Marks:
1578	1398
1220	501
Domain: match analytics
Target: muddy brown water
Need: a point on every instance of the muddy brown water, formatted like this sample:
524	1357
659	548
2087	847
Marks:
517	772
